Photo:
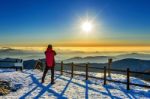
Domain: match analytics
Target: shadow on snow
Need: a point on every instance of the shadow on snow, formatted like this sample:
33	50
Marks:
130	94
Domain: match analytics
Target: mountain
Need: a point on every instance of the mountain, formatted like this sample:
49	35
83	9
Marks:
91	59
104	59
7	50
18	53
133	64
123	64
134	55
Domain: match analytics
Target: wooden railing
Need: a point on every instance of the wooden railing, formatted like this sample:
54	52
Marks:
86	75
12	62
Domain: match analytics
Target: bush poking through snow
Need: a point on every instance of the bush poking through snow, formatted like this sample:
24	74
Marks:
4	87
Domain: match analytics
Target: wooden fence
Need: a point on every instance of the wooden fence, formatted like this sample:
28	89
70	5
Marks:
11	64
87	67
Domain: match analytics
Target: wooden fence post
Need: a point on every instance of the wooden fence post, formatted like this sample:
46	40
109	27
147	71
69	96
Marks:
72	68
87	65
109	67
128	79
61	67
105	75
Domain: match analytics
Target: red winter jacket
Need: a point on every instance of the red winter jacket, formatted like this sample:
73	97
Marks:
50	60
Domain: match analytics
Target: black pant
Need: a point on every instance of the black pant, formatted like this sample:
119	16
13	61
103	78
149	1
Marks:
52	74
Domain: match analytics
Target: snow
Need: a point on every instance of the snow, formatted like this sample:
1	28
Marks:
67	88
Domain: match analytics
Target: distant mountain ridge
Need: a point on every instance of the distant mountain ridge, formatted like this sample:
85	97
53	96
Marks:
7	50
134	55
123	64
104	59
91	59
133	64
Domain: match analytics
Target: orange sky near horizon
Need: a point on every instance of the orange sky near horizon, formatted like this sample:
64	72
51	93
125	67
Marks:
90	49
80	43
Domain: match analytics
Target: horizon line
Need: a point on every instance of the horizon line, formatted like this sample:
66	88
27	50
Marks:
55	45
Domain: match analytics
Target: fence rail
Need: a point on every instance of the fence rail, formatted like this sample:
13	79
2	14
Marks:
104	78
7	61
11	64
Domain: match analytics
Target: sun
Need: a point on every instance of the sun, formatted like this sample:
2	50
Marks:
86	26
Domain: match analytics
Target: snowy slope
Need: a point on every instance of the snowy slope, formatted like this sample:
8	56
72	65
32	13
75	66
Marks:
65	87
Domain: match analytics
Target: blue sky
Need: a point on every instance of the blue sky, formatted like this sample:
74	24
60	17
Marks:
39	22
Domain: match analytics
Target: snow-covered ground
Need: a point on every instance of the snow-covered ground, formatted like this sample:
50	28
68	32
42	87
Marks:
65	87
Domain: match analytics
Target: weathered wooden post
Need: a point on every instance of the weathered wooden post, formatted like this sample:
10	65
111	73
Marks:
87	65
72	69
21	68
105	75
61	67
128	79
109	67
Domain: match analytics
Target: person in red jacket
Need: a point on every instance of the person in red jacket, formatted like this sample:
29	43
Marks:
50	63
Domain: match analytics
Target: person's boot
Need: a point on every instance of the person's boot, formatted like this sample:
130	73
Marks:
42	81
52	83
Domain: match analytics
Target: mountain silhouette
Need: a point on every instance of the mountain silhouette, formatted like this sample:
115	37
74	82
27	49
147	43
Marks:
104	59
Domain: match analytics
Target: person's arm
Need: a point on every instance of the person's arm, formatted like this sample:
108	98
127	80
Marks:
55	53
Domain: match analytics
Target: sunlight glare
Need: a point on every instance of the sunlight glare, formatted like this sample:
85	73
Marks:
86	26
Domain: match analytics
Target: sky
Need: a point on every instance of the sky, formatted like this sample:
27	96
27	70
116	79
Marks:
40	22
